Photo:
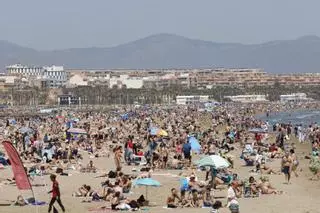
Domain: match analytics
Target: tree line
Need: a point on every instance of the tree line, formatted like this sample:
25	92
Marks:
102	95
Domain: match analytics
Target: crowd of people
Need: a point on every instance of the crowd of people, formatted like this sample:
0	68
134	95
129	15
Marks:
156	139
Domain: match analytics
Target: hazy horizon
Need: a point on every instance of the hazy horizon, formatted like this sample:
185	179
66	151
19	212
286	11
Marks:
59	24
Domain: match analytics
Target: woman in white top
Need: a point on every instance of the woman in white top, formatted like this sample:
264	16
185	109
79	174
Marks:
233	204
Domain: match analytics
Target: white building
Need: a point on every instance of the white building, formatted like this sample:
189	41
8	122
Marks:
55	76
26	71
247	98
133	83
295	97
193	99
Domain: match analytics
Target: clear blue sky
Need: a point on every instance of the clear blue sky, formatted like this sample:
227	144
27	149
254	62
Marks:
56	24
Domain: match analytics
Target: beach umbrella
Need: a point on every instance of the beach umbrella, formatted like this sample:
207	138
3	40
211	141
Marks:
125	116
215	161
159	132
25	130
153	131
147	182
258	130
75	120
195	146
77	131
12	121
162	133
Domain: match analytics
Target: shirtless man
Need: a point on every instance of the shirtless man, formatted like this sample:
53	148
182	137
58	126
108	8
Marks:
286	166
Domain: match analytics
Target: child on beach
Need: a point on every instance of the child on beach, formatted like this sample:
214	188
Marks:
55	193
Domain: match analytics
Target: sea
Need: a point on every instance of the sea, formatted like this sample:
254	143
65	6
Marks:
299	117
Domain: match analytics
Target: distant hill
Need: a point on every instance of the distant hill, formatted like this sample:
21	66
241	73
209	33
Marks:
172	51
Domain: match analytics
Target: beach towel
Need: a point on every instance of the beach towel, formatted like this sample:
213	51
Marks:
166	207
38	203
100	210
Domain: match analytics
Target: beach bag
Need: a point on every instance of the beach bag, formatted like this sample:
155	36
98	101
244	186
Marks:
59	170
134	204
234	208
95	197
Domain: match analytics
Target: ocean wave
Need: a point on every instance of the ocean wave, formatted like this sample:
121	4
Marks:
305	116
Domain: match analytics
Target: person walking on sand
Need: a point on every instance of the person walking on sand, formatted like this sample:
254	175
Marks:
55	193
286	166
295	162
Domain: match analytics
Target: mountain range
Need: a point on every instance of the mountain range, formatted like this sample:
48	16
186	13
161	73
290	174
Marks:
173	51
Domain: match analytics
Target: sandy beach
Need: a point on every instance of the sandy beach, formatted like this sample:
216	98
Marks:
302	196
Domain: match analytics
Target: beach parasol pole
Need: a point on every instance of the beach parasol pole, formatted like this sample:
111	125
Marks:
146	192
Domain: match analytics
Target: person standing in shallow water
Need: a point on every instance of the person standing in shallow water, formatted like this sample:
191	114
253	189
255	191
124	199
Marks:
55	193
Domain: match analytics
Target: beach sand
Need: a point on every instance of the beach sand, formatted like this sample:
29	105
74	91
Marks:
301	196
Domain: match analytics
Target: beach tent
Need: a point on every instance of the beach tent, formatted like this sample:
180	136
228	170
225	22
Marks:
215	161
195	146
147	182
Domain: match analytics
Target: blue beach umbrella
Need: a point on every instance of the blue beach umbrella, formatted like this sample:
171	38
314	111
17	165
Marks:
146	182
125	116
195	146
154	131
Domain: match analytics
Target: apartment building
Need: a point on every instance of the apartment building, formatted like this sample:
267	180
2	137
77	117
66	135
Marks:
53	76
195	78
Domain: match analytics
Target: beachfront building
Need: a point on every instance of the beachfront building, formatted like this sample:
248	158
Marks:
192	99
26	71
294	98
247	98
53	76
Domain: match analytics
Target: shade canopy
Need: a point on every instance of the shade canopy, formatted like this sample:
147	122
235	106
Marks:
215	161
146	182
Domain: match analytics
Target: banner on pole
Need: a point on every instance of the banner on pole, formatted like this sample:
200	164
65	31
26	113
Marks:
20	175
